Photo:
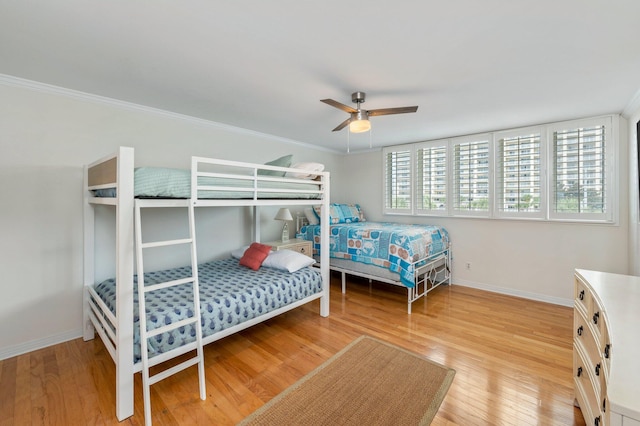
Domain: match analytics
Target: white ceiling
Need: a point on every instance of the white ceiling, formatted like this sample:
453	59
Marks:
469	65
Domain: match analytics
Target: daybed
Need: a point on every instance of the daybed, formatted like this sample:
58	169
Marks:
229	297
417	257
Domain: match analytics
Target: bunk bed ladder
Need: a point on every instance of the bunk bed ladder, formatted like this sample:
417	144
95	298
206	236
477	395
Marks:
143	289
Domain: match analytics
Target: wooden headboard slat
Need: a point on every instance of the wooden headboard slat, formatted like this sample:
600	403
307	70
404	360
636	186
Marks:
104	173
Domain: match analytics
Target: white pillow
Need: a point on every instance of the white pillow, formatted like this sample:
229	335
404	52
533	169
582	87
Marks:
310	167
287	260
311	216
238	253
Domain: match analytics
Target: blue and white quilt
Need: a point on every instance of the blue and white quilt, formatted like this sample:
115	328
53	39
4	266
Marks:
397	247
229	294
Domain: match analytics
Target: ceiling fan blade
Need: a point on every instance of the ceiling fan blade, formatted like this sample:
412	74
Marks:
339	105
342	125
389	111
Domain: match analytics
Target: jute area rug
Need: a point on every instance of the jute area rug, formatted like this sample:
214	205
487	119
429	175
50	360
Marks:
369	382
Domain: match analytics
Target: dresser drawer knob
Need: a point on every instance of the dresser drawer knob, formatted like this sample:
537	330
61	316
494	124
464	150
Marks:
579	371
604	405
595	317
596	421
607	349
598	369
580	331
581	295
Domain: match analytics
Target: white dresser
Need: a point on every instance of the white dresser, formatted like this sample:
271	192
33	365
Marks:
606	348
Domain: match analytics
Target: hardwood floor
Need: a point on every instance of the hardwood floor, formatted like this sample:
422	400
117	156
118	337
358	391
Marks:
513	362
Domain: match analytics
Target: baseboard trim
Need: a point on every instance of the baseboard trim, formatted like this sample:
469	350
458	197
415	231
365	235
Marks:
34	345
517	293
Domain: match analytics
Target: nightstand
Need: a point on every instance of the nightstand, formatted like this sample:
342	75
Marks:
295	244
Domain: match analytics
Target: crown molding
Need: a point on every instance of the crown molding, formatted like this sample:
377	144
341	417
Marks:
8	80
633	106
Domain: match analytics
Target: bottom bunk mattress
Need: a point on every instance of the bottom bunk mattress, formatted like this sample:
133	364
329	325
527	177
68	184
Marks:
229	295
399	248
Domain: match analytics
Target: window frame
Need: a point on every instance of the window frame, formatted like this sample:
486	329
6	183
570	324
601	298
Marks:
611	187
385	152
611	214
525	131
453	142
441	143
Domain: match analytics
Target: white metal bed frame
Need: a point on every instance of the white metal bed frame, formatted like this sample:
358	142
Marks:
429	276
117	171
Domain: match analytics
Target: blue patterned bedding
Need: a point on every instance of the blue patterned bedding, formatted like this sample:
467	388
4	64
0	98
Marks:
229	294
396	247
159	182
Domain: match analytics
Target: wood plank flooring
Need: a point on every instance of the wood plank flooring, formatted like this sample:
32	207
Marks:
513	362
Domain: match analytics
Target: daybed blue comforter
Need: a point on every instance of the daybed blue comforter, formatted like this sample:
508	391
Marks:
396	247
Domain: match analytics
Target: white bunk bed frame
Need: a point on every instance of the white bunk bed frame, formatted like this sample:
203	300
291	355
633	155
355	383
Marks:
117	171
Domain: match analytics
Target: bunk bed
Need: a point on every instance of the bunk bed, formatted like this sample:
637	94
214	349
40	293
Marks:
416	257
219	289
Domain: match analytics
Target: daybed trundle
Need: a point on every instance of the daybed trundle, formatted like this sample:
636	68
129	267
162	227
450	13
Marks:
417	257
229	297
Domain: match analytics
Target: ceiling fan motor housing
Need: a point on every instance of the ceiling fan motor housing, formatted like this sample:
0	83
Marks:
358	97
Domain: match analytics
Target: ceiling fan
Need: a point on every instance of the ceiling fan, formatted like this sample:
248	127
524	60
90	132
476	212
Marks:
359	118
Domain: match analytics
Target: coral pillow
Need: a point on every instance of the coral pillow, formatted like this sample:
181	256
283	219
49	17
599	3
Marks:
255	255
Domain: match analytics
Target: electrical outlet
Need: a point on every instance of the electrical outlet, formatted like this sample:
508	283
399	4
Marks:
468	265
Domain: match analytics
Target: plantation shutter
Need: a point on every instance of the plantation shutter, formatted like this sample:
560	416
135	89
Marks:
398	177
518	178
431	178
471	176
579	164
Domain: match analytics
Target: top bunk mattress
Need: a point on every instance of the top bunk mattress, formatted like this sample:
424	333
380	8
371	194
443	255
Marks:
160	182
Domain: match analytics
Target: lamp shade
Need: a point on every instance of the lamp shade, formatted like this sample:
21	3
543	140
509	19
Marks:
359	126
359	122
283	214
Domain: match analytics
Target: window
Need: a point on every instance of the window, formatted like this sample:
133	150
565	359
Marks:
581	184
562	171
518	174
471	176
431	182
398	180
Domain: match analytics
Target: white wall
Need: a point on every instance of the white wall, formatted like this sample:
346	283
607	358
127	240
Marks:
46	136
523	258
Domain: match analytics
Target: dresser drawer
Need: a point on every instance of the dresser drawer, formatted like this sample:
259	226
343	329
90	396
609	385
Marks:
584	392
304	248
582	296
597	318
605	348
583	336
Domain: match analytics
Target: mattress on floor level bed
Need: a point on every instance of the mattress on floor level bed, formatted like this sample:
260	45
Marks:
158	182
400	248
229	295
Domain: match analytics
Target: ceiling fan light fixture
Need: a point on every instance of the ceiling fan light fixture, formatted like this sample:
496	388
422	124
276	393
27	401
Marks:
359	122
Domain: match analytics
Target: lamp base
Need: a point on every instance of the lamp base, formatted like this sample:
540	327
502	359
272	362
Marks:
285	232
